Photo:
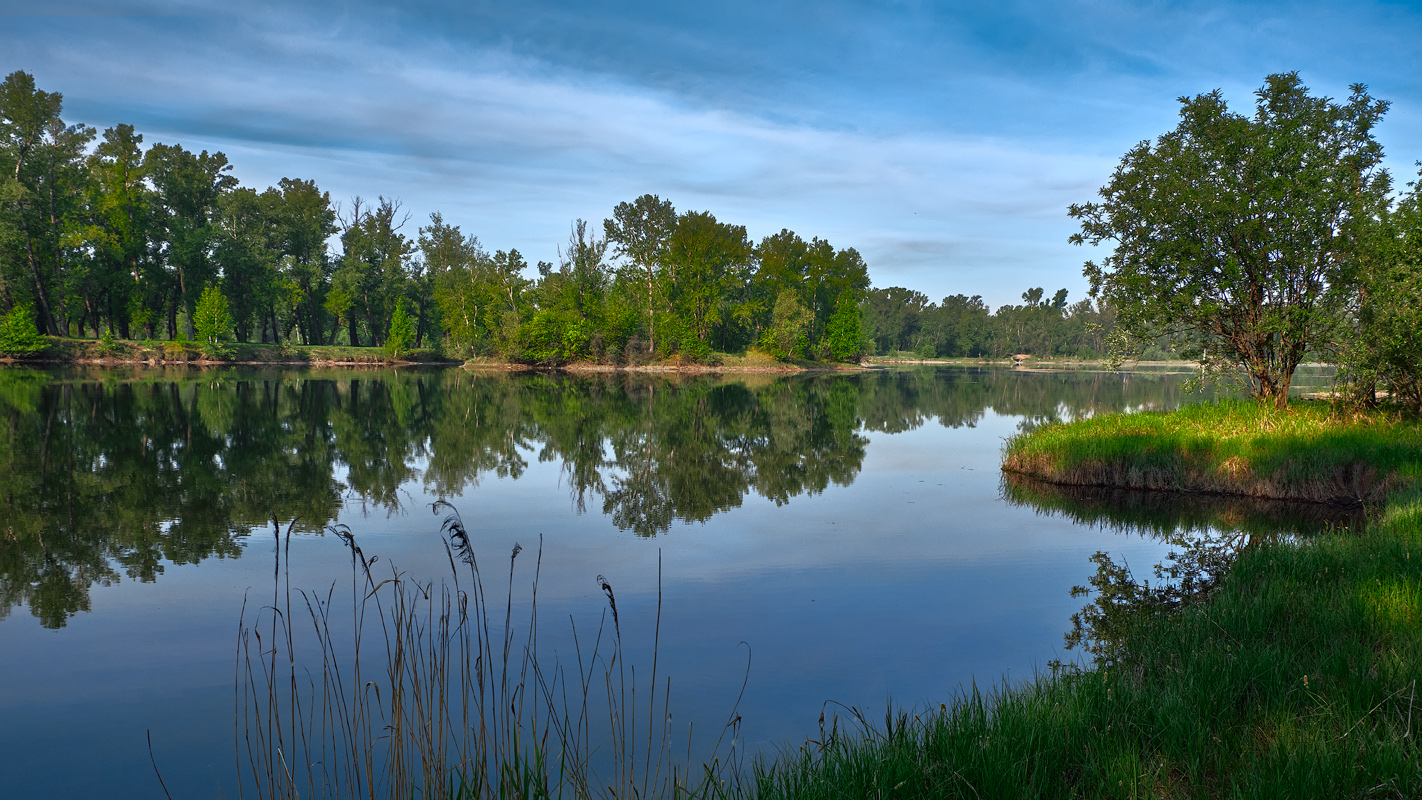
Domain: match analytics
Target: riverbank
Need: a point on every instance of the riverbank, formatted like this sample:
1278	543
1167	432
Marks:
121	352
1297	676
1312	452
116	352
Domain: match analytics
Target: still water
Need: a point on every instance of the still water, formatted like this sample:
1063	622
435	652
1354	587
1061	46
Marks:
832	541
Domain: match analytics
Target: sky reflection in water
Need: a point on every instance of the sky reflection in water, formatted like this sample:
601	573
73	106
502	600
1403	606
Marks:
851	530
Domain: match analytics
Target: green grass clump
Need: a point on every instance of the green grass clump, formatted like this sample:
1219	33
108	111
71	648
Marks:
1309	452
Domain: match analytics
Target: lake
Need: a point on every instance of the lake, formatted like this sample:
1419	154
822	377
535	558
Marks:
831	541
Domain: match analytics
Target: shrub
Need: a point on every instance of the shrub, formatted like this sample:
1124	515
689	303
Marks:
213	322
402	333
18	334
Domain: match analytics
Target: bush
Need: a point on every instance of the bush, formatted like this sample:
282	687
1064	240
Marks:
18	334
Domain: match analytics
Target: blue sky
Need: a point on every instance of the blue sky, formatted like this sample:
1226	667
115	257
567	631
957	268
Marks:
942	140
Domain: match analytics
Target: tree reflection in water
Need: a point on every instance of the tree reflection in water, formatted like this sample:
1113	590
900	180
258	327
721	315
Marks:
1206	533
111	474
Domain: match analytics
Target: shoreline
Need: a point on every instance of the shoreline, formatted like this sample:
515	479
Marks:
1254	666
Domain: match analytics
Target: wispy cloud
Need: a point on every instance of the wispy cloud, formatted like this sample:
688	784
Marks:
944	145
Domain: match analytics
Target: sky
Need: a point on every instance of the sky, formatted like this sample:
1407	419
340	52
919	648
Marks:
943	141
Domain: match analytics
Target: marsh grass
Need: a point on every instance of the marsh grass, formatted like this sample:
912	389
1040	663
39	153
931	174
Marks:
408	689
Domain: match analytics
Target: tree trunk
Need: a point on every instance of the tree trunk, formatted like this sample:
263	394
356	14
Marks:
47	323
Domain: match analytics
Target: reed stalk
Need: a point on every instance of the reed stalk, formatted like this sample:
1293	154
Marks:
455	706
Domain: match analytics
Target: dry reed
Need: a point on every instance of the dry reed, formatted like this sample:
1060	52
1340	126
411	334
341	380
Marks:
459	707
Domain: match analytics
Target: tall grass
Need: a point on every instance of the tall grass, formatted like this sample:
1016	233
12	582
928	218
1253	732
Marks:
410	689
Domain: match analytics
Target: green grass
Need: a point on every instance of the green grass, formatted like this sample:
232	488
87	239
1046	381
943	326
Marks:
1310	451
1296	677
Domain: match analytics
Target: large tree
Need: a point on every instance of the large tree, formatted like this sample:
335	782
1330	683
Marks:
1243	233
640	232
41	185
187	188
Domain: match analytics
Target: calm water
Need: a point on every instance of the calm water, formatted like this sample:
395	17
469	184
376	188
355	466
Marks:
854	532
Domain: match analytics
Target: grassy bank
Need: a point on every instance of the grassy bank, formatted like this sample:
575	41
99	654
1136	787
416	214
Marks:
1296	677
125	351
1312	452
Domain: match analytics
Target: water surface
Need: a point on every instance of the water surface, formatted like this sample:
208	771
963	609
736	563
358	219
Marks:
852	533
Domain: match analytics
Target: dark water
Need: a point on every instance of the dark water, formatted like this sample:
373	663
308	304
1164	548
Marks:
852	531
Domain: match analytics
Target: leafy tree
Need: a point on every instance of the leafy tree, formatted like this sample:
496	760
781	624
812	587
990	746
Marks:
843	332
120	230
709	260
42	183
18	334
187	187
455	266
375	266
402	333
303	219
893	318
1244	233
788	334
1384	349
248	252
640	233
213	320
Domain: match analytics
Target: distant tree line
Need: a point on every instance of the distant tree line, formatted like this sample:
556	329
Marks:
101	236
899	320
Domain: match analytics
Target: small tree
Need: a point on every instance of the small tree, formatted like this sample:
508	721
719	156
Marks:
843	330
213	321
402	333
18	334
1246	235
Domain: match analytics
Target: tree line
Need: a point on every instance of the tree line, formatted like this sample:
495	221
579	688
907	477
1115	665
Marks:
102	236
899	320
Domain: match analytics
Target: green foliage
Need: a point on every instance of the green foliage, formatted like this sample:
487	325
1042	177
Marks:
402	333
109	345
1246	234
127	234
18	334
213	321
788	334
844	331
1383	351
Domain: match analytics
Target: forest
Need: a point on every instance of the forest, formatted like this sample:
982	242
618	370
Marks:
104	236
